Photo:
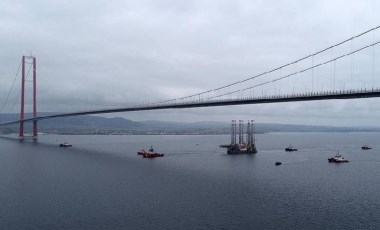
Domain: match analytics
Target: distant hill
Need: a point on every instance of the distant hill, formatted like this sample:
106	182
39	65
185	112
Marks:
90	122
101	125
181	125
273	127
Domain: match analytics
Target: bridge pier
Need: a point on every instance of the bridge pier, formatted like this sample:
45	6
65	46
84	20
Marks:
22	109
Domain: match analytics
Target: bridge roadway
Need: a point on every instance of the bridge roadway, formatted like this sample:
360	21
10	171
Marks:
350	94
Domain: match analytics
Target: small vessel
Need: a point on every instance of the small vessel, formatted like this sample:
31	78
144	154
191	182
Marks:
65	144
153	155
290	149
337	159
150	153
278	163
366	147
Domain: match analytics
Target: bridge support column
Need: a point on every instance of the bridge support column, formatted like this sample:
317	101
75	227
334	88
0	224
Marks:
35	134
21	130
22	109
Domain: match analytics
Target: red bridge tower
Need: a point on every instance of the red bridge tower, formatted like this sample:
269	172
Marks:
22	112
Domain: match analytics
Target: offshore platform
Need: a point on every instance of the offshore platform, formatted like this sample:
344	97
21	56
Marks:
247	146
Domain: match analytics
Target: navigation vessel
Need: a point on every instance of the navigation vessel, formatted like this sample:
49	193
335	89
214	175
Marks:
366	147
290	149
150	153
337	159
65	144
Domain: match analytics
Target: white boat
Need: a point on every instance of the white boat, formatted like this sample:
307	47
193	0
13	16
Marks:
290	149
337	159
65	144
366	147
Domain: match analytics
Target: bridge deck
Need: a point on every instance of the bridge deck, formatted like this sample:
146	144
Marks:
228	102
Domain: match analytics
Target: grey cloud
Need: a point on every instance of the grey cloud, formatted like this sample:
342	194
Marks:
123	52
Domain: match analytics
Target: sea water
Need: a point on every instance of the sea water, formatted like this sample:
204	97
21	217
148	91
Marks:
101	183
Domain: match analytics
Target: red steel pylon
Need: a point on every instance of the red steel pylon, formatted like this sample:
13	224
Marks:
22	111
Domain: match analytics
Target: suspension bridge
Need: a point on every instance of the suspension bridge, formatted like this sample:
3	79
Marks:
346	70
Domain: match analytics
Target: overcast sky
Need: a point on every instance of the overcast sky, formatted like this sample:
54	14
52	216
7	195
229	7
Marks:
121	52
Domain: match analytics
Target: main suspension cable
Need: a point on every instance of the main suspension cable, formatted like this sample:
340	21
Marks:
6	99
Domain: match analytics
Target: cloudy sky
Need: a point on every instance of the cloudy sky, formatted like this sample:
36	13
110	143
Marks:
96	53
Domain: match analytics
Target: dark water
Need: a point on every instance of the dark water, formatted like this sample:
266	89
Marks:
101	183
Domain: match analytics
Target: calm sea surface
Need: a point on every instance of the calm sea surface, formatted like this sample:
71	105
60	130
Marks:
101	183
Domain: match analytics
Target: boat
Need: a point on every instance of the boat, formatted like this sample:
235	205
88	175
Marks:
290	149
278	163
150	154
337	159
65	144
366	147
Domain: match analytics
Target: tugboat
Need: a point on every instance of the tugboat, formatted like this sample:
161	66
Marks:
366	147
65	144
337	159
278	163
150	153
290	149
